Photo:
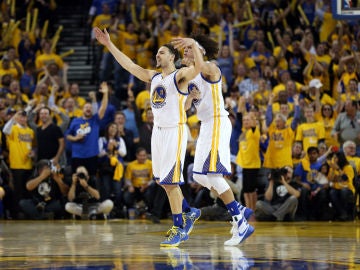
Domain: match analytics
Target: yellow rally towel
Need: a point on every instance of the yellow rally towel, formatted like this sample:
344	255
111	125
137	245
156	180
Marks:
119	168
305	162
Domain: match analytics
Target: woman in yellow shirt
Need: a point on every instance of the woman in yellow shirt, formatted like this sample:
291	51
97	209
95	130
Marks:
328	117
342	190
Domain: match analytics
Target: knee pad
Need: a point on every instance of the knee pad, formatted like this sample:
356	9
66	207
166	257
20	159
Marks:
218	182
202	179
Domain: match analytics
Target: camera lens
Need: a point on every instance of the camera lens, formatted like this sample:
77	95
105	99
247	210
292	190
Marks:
81	175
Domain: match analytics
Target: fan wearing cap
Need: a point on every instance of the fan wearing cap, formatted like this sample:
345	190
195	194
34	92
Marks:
316	95
20	140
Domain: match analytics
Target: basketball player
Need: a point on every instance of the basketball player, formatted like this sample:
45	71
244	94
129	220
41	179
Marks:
212	154
169	137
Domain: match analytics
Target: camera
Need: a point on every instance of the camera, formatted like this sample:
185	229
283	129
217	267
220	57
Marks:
54	168
277	173
81	175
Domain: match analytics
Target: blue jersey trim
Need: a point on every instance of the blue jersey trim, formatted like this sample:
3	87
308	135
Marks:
157	73
177	87
211	82
206	173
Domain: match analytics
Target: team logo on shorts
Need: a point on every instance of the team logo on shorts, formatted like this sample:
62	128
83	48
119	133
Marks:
158	97
193	87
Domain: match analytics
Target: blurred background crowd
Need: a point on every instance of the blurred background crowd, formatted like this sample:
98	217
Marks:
290	76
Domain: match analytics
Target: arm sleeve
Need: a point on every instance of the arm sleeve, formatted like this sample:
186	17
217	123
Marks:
268	115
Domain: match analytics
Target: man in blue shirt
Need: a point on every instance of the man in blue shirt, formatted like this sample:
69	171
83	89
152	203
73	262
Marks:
83	134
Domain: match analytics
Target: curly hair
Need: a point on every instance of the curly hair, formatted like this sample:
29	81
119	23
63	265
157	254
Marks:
210	46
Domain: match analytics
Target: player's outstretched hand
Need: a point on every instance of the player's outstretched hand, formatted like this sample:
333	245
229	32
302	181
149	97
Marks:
102	36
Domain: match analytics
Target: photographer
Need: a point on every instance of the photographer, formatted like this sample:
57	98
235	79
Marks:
48	191
281	197
84	198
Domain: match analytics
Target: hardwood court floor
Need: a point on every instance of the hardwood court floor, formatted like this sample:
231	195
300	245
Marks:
134	244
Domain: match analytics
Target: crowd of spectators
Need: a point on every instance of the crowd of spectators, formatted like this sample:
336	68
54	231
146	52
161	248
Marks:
291	85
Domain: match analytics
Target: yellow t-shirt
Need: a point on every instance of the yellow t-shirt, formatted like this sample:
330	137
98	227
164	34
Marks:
355	161
281	87
166	37
11	71
18	63
193	123
356	96
127	43
276	107
282	64
349	172
278	153
143	54
324	59
75	113
346	77
215	32
310	134
261	99
20	142
46	59
17	106
325	99
248	156
139	174
328	125
102	21
142	99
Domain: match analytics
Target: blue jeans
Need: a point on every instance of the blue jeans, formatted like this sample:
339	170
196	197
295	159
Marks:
110	188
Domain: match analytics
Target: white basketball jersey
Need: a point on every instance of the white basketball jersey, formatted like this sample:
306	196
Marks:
167	102
211	103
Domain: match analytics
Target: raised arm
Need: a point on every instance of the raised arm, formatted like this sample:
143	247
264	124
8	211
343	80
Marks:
184	75
269	112
141	73
105	99
296	119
